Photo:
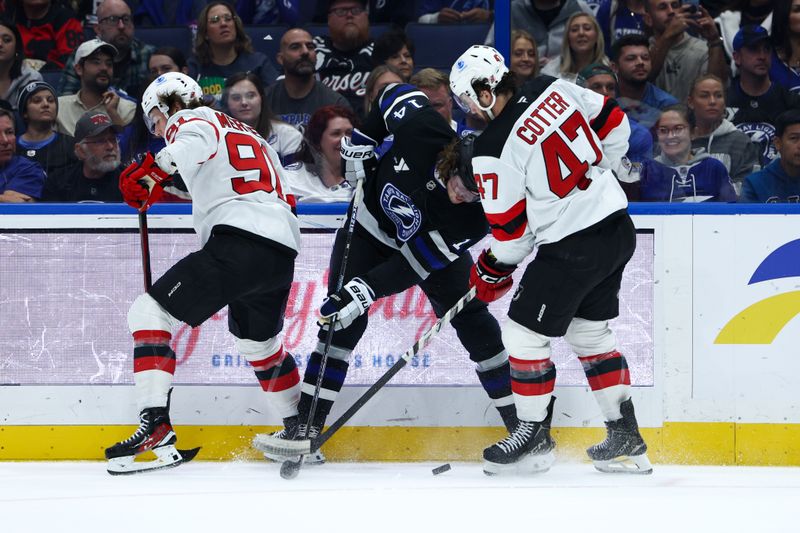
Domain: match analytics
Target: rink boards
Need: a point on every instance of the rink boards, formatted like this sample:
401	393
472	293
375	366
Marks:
708	324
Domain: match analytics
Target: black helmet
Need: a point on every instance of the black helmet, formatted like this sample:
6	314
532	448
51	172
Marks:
465	149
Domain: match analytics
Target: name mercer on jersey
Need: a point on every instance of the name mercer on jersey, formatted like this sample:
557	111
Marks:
554	105
224	121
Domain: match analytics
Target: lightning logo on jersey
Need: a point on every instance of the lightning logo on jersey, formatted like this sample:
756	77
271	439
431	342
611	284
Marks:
400	210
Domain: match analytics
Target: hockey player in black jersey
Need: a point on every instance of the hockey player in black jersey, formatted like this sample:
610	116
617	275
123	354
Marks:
544	168
413	228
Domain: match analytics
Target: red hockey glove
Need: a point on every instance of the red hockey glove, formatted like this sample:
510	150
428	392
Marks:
142	184
490	278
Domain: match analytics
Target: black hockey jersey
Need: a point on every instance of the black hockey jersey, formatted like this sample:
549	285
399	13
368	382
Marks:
405	205
344	72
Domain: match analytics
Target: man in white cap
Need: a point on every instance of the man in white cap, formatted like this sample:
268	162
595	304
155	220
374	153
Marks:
94	65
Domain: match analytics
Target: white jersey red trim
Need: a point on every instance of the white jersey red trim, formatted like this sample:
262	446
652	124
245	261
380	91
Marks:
232	174
544	166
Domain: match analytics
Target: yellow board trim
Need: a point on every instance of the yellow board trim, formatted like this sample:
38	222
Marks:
674	443
761	322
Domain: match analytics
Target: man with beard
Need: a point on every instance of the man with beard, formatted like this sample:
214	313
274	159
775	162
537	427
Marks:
295	97
115	26
95	177
754	100
344	59
640	99
94	65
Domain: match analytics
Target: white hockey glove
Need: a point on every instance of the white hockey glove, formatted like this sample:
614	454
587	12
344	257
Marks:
354	156
346	305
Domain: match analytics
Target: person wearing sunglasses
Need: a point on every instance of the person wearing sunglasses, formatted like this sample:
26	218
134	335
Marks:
222	48
115	26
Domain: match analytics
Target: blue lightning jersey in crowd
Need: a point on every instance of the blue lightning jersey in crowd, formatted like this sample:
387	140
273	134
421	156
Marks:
701	179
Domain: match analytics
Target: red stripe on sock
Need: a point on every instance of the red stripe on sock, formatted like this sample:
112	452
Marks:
151	336
591	359
532	389
166	364
282	383
610	379
526	365
272	360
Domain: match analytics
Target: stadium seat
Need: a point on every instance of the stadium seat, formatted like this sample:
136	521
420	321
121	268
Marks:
267	40
439	45
375	30
51	77
178	36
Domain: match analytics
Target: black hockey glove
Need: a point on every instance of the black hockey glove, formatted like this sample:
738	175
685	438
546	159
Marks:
346	305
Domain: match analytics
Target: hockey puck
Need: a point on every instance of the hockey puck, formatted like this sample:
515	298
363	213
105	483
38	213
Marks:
441	469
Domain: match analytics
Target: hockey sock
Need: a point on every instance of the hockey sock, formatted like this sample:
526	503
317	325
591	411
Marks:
532	382
153	367
497	384
610	381
332	381
279	377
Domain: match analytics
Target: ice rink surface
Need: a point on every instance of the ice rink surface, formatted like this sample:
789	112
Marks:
251	497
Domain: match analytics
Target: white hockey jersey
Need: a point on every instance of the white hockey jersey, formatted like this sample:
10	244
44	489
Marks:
307	186
232	174
544	166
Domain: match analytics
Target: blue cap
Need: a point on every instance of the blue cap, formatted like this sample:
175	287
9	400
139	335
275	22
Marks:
749	36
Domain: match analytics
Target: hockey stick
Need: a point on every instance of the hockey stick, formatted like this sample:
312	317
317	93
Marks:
278	446
290	468
144	238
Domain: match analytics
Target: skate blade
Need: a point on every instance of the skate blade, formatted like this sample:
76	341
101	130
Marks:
166	457
528	464
314	458
633	464
267	443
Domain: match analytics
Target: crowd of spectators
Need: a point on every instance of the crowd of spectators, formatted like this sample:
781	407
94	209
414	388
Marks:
712	89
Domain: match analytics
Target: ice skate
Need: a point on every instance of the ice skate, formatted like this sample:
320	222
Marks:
154	434
509	416
624	450
292	430
527	450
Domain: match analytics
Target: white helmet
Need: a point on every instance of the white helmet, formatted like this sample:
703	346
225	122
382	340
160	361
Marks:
478	63
170	83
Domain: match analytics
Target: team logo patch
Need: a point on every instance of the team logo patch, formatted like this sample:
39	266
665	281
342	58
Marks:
762	134
400	210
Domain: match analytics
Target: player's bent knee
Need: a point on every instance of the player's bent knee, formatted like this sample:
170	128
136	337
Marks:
493	362
147	314
590	337
258	350
524	343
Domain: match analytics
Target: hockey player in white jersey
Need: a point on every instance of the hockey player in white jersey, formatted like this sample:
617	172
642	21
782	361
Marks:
544	168
250	239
